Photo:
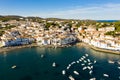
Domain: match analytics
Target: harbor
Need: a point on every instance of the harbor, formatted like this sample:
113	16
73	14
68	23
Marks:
69	63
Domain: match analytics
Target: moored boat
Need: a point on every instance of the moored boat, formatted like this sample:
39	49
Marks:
14	66
75	72
54	64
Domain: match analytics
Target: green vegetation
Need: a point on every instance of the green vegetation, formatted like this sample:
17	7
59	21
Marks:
110	33
7	18
117	29
117	26
51	24
1	32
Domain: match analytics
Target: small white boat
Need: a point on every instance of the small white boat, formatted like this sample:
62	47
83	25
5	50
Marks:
92	78
112	62
105	75
80	60
119	77
118	62
88	60
14	66
95	61
71	78
89	63
86	54
68	67
90	72
77	61
54	64
85	61
63	72
84	57
73	62
84	68
42	56
89	67
75	72
118	67
82	64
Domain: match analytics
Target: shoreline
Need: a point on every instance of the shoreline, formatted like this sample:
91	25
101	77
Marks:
6	49
99	49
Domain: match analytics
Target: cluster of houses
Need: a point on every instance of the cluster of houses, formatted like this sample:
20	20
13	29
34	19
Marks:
97	38
27	32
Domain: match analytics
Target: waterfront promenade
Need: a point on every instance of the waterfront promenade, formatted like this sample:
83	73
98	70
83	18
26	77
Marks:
98	49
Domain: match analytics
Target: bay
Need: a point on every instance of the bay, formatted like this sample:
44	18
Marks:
31	66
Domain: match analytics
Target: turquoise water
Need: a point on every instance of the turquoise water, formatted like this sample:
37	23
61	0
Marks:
30	65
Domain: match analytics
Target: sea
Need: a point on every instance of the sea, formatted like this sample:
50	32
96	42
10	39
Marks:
107	20
37	64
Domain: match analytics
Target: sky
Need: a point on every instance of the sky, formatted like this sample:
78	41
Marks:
67	9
